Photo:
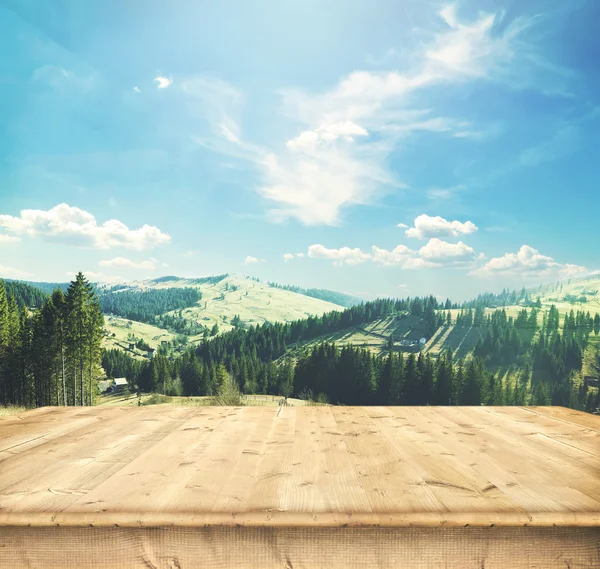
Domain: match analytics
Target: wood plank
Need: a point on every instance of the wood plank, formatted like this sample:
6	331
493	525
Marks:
289	548
269	466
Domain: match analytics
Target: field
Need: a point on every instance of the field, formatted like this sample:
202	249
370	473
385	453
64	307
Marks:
129	400
121	328
255	303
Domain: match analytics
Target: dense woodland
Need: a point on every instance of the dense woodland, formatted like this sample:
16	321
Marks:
148	305
51	356
25	294
259	361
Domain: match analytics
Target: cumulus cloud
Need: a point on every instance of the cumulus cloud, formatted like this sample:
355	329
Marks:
528	262
288	257
426	226
436	253
401	256
12	273
341	256
163	82
442	252
402	226
129	264
78	227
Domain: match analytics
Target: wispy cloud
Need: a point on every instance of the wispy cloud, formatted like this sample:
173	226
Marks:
73	226
123	262
63	80
338	157
437	194
563	143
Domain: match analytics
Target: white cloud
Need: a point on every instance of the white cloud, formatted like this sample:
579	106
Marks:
309	140
12	273
137	89
528	262
163	82
436	253
402	226
288	257
250	260
78	227
442	252
342	256
426	226
339	154
127	263
8	239
299	254
189	253
400	256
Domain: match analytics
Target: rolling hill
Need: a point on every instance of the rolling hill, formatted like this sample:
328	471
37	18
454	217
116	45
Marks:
227	302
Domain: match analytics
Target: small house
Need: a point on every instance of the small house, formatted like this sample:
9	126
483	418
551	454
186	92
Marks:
151	353
131	347
119	383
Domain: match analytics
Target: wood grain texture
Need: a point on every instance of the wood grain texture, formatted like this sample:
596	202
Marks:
291	466
299	548
300	487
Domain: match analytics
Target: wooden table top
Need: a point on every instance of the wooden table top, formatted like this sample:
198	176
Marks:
300	466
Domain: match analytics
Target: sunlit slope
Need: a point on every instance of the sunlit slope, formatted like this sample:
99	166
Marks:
254	302
573	294
120	330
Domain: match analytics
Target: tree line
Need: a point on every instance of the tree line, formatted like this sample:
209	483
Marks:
545	359
148	305
51	355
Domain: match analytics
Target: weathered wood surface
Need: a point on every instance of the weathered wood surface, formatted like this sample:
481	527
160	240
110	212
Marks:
299	548
297	487
300	466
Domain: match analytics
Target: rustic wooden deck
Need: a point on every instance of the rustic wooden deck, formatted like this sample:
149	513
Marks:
404	475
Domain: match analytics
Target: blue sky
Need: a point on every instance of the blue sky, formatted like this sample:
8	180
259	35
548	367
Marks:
389	147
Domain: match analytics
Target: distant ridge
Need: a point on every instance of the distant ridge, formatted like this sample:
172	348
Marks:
340	298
